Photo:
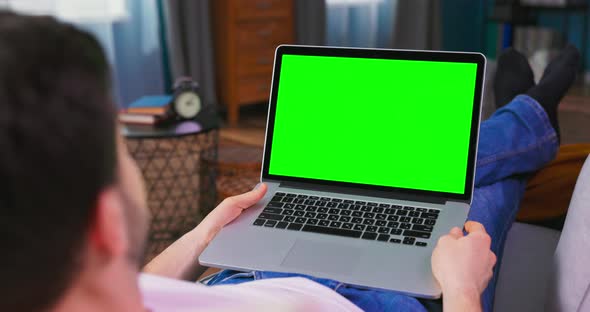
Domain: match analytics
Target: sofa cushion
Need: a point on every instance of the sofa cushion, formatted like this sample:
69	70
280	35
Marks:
570	282
524	273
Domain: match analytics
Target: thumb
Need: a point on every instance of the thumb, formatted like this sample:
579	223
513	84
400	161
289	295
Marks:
248	199
472	227
456	233
229	209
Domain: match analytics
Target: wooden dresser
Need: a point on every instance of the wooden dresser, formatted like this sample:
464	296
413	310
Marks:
246	33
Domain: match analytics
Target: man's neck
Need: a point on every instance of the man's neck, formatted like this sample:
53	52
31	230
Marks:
113	288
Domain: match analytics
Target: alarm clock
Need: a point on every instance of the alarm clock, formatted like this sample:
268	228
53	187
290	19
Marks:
186	102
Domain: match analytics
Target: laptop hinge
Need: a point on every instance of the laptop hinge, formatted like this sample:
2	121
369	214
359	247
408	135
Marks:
362	192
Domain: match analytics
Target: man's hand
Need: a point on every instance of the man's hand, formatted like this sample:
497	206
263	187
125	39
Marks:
463	266
179	259
229	209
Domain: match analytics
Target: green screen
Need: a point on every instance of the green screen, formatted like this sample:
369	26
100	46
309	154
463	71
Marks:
382	122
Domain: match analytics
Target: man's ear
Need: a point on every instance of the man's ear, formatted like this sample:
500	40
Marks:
108	233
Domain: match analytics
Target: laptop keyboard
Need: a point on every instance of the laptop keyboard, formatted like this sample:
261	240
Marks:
343	217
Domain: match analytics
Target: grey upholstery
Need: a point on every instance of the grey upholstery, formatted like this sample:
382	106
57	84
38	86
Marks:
488	105
570	287
525	269
545	270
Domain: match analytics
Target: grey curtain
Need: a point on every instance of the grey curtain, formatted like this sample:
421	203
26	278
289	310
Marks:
190	43
417	25
310	22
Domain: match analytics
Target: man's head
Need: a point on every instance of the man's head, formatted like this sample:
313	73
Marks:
70	196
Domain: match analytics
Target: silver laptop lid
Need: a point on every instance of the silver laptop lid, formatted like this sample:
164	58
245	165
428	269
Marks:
384	122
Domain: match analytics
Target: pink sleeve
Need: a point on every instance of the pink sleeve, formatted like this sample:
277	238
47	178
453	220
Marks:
280	294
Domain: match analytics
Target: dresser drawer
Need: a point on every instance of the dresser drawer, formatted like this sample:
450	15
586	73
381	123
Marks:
254	61
268	33
254	89
252	9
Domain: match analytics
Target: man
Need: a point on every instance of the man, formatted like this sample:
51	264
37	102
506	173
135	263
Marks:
73	212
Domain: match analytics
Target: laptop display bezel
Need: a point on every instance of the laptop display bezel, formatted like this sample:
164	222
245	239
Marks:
464	57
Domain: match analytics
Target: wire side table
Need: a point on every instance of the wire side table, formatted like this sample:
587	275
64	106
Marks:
180	186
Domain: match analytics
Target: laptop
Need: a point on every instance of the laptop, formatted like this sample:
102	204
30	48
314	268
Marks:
369	158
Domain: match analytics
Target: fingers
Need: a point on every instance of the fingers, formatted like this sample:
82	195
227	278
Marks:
456	233
493	259
477	232
248	199
473	227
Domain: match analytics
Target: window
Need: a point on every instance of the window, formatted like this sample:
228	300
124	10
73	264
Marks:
352	2
71	10
360	23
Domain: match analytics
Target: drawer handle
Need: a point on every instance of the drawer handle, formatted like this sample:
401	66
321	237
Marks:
263	61
264	32
263	5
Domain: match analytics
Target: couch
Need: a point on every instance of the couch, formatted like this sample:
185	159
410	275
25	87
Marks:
545	269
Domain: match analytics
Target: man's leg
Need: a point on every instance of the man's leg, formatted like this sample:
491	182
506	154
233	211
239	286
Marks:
514	142
518	139
495	206
511	141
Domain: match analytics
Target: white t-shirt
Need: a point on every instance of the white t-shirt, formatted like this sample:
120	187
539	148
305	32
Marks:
277	294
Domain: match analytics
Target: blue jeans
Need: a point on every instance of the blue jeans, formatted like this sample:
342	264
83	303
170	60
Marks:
516	141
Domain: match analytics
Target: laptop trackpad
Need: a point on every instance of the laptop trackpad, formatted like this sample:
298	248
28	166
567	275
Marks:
322	257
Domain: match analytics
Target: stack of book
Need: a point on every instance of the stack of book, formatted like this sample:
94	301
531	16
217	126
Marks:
148	110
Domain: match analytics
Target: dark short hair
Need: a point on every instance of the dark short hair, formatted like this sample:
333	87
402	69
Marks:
57	152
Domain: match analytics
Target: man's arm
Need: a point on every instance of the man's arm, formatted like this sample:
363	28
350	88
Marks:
180	260
463	266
